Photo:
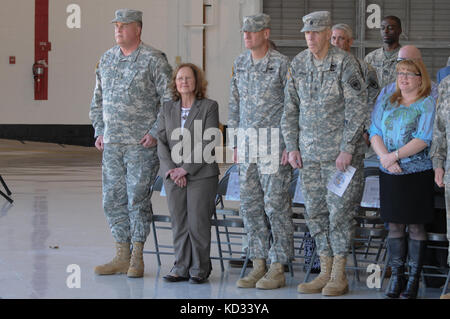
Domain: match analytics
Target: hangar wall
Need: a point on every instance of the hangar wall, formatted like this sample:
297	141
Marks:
173	26
425	24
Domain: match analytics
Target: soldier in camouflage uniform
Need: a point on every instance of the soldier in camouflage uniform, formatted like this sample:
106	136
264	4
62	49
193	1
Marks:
256	102
440	149
131	80
384	59
325	111
342	37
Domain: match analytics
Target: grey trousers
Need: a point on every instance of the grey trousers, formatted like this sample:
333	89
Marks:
191	209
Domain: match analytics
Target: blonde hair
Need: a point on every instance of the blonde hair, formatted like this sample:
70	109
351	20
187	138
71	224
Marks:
416	66
200	82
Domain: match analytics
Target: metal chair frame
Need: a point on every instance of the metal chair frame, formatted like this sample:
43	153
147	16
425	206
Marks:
156	219
8	192
163	222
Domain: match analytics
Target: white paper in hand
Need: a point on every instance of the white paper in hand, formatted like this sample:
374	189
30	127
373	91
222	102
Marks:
340	180
298	196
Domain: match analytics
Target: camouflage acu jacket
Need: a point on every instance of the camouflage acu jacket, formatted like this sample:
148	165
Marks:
128	93
325	107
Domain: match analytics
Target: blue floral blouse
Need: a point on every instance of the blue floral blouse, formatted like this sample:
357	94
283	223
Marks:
398	125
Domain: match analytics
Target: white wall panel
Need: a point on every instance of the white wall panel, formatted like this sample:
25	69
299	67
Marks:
75	52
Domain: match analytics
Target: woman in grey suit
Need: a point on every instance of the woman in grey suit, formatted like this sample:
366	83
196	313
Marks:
189	171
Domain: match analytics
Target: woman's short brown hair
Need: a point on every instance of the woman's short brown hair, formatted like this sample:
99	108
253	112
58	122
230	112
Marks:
200	82
415	66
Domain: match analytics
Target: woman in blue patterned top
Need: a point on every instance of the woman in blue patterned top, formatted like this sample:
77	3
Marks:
401	134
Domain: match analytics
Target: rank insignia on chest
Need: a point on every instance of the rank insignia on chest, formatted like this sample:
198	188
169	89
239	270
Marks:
332	67
373	84
355	84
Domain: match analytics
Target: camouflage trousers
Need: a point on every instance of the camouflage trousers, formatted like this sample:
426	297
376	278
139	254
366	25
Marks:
330	218
447	206
264	195
128	172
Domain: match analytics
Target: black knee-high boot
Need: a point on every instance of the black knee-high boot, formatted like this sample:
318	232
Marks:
397	249
416	251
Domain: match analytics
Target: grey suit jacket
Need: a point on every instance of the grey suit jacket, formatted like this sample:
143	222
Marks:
204	114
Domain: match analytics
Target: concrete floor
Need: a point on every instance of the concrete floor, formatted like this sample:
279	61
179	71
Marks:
55	229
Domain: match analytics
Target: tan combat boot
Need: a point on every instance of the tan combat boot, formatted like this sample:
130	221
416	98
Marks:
446	296
338	284
273	279
119	264
315	286
136	269
258	271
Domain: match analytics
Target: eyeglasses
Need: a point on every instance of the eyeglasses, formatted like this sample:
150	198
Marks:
408	74
400	59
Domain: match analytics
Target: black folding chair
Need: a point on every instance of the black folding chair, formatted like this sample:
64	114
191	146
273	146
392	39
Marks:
228	223
160	222
438	242
8	192
368	245
369	240
302	236
225	218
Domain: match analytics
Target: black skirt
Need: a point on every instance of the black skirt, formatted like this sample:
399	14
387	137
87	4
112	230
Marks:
407	199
